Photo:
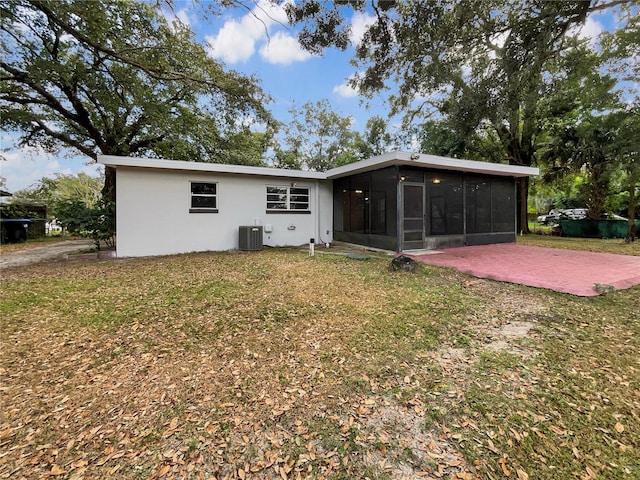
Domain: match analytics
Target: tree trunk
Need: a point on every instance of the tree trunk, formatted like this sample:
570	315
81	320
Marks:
597	191
109	189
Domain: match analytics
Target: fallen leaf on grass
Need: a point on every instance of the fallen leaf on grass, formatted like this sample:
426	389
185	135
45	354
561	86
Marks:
56	470
503	465
464	476
619	427
522	475
164	470
576	453
492	447
590	473
557	430
174	424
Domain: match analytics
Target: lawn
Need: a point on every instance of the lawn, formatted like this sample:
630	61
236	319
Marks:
274	364
609	245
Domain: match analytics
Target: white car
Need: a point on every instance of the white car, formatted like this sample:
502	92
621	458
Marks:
550	218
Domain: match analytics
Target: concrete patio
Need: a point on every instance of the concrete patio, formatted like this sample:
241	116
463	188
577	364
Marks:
568	271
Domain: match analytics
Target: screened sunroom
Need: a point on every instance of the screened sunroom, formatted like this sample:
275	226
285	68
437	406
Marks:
401	201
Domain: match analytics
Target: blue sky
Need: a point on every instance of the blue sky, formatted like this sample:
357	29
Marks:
257	42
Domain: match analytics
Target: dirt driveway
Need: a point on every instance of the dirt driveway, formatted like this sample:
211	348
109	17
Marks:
46	253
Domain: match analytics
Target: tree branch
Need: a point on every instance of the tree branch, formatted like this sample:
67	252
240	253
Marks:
64	138
158	74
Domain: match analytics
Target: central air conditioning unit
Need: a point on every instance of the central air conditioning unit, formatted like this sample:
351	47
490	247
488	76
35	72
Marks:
250	238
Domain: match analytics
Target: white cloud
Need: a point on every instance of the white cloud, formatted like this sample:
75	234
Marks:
268	13
177	19
183	17
283	49
345	90
499	38
359	24
24	166
590	31
233	44
236	40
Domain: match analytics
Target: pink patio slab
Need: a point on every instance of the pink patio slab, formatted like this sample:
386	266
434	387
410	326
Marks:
568	271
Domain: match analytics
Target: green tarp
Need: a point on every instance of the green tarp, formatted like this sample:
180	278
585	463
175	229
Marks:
596	228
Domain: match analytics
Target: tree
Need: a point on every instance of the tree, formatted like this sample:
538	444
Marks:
592	130
586	147
621	51
629	151
440	137
376	139
114	78
63	189
318	139
96	222
477	63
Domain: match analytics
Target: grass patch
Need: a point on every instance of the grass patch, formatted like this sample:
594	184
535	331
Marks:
319	366
617	245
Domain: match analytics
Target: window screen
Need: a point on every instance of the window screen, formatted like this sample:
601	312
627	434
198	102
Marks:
283	198
204	196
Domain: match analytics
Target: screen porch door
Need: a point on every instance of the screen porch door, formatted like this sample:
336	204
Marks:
413	216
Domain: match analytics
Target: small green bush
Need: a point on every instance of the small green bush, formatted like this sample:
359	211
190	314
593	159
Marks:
97	222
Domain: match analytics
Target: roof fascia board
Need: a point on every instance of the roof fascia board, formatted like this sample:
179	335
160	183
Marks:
374	163
431	161
154	163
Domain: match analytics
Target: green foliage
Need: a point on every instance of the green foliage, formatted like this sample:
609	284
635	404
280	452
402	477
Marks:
115	78
376	139
441	137
484	66
591	135
96	222
19	209
57	193
320	139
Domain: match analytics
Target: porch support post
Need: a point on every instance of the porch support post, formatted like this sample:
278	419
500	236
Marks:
464	208
398	210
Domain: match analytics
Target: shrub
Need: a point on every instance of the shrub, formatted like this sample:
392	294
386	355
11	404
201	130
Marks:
97	222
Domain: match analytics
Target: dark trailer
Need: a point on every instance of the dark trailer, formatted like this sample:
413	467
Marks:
14	230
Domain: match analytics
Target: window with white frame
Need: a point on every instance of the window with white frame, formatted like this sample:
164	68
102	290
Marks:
204	197
284	199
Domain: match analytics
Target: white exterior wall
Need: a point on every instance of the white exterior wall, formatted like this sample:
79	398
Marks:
152	216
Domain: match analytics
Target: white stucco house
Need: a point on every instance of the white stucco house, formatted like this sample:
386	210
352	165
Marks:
397	201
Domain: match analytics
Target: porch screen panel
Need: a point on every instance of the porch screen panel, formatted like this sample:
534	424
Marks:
359	201
445	204
340	205
503	204
478	205
383	202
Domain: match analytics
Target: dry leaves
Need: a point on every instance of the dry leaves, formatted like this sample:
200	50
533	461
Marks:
267	366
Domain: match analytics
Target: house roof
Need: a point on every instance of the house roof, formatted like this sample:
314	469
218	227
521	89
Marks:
154	163
430	161
374	163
